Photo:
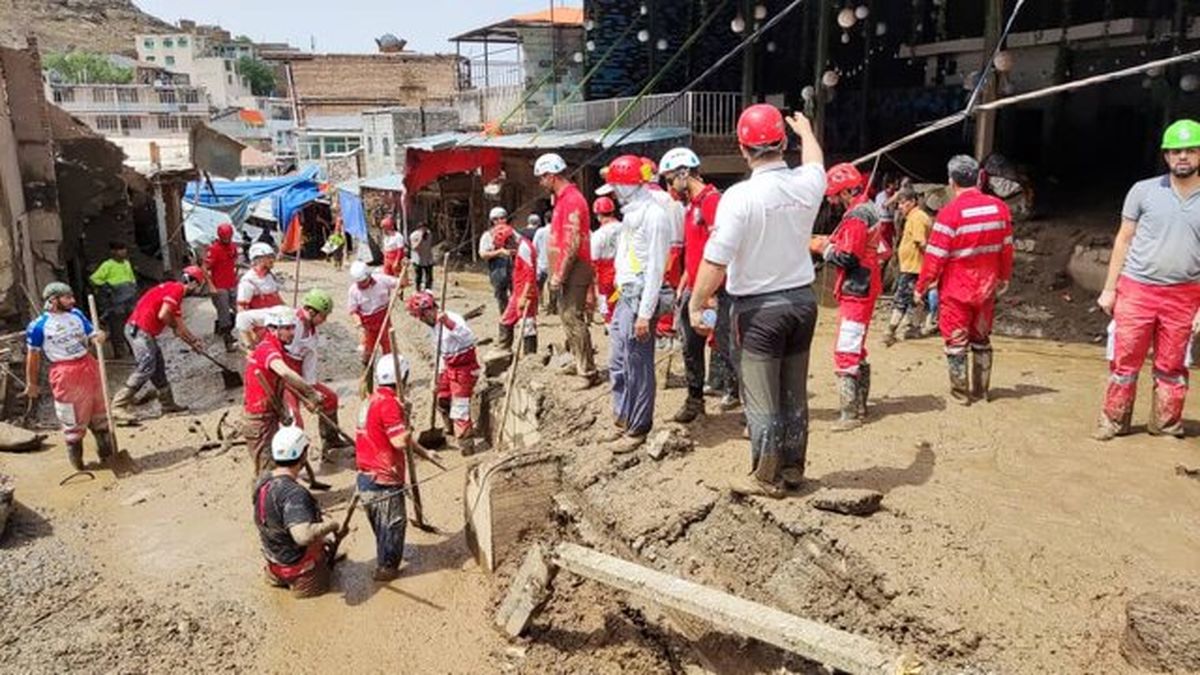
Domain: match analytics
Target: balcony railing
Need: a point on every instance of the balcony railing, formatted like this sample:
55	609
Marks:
705	113
129	99
477	107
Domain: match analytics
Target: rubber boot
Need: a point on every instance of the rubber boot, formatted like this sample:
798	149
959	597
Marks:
75	454
166	400
1107	429
960	388
981	373
505	342
848	418
123	398
928	327
692	408
864	388
331	438
889	338
1158	425
230	342
531	345
104	445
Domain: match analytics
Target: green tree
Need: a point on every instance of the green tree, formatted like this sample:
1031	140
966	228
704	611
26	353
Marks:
260	76
87	68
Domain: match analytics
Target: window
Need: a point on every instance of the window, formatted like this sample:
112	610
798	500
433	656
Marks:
168	43
170	60
228	66
166	96
310	148
150	58
191	95
148	43
334	144
102	95
166	123
127	95
131	123
387	150
182	42
107	122
64	95
370	145
229	79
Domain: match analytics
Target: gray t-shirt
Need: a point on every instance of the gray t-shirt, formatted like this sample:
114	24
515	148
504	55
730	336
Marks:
1166	245
280	503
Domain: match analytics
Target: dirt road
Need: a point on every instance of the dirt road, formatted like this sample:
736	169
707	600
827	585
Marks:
1008	540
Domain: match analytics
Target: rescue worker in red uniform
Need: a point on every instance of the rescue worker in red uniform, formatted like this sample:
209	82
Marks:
970	258
854	249
458	372
259	288
523	301
382	438
393	247
370	295
61	336
220	262
604	249
267	371
1153	288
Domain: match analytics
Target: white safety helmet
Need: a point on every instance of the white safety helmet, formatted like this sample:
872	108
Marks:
497	213
289	444
549	163
678	158
359	271
385	370
282	317
261	250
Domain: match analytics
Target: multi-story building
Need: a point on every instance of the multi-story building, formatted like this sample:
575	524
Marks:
384	131
139	110
209	63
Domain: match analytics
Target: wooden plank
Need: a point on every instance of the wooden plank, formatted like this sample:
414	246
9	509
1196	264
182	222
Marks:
818	642
529	589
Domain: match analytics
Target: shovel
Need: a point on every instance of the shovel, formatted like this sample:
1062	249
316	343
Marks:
434	437
122	462
230	378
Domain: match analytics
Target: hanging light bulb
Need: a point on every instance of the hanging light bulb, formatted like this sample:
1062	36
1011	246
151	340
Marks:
846	18
591	45
845	38
808	92
881	29
643	35
1003	61
589	25
771	46
861	12
760	11
578	57
644	10
738	25
830	78
661	44
1154	72
1189	83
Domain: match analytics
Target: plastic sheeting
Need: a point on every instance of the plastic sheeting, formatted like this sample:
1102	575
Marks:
200	225
288	194
354	217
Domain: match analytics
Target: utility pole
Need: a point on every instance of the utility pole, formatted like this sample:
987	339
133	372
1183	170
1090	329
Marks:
985	120
747	10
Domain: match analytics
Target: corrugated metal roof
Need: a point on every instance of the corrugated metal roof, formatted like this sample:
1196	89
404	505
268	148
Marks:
547	140
393	182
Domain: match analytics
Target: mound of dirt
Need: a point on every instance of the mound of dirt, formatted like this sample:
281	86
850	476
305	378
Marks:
1162	631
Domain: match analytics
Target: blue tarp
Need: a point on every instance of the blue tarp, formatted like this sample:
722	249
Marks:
288	194
354	218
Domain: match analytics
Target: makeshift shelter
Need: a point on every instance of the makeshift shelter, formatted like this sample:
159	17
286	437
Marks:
288	194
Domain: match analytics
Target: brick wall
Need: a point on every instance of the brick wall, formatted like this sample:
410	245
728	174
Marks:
347	84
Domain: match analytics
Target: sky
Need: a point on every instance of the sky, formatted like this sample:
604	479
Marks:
347	26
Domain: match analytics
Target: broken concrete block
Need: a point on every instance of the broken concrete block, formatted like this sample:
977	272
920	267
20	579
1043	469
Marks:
17	439
672	440
139	497
848	501
561	360
1162	631
7	502
496	363
506	497
529	590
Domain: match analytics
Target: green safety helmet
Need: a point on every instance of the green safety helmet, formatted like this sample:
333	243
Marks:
1182	134
319	300
56	289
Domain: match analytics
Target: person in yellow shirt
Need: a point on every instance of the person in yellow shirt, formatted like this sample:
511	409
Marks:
116	287
917	224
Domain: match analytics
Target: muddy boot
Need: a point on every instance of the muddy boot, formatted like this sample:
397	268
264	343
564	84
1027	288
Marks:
981	373
1107	429
504	342
793	477
530	345
104	445
75	454
331	439
447	423
1160	423
230	342
929	326
122	404
626	444
848	418
960	389
166	401
864	389
751	486
889	338
692	408
729	402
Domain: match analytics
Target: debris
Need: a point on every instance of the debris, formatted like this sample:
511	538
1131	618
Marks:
7	487
496	363
529	590
16	439
138	497
504	498
1181	470
672	440
848	501
561	360
1162	631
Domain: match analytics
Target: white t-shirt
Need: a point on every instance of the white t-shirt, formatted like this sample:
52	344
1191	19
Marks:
454	341
303	347
763	228
61	336
643	243
541	241
373	298
604	241
393	241
251	285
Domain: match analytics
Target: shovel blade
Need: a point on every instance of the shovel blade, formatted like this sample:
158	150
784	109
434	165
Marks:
432	438
123	464
231	380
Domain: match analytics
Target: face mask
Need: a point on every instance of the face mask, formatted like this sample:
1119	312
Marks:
626	193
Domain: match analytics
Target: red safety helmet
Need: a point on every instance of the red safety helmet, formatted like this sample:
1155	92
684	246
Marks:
627	170
388	223
844	176
603	206
194	274
760	125
419	303
225	232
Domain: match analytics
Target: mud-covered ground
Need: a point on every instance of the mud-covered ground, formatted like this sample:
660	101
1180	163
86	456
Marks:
1008	542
